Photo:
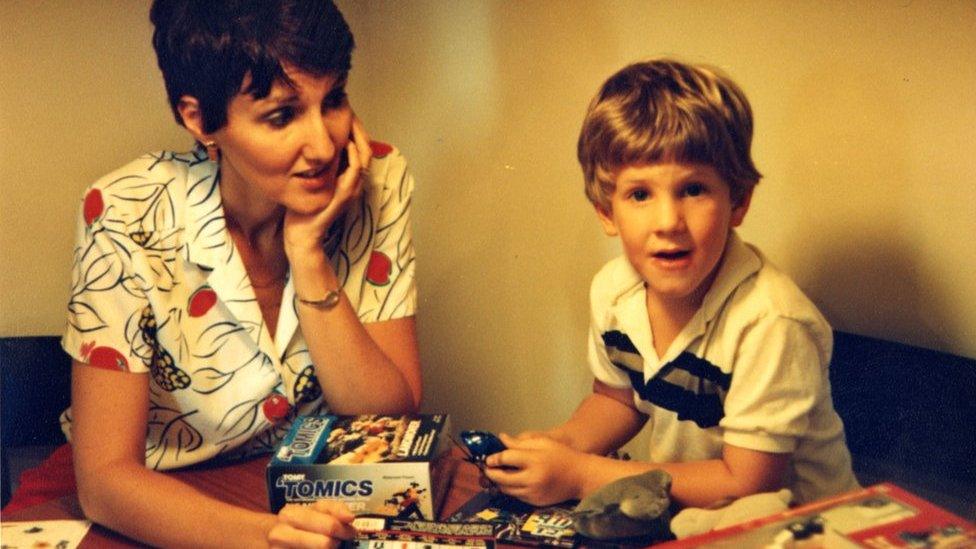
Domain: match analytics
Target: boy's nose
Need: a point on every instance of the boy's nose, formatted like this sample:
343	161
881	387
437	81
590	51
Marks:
668	217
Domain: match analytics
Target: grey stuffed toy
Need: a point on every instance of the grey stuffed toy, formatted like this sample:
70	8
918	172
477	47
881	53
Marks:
636	506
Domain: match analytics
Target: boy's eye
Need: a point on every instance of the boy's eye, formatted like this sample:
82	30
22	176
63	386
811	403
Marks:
694	189
279	118
639	195
335	99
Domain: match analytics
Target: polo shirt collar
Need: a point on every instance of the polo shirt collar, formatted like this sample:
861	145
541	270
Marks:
739	261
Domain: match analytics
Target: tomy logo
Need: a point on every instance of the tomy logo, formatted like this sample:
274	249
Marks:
305	440
310	490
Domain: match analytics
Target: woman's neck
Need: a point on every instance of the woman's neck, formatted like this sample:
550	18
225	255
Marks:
253	218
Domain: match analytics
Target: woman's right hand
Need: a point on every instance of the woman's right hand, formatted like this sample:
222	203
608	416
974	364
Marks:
304	232
324	523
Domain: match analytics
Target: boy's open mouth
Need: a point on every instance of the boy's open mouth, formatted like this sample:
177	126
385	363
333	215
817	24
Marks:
672	255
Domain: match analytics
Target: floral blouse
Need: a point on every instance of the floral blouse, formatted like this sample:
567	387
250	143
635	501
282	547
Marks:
158	287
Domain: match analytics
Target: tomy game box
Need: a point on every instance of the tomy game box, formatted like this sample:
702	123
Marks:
385	465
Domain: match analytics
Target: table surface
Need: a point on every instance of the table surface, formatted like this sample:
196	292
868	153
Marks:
242	484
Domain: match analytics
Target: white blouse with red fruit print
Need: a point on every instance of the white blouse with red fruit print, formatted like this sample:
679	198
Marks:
159	288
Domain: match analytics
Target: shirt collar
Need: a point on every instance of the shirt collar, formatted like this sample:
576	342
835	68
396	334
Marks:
739	261
207	241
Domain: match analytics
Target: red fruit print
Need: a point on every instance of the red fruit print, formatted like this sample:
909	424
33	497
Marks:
380	149
201	301
108	358
275	407
86	348
94	206
379	268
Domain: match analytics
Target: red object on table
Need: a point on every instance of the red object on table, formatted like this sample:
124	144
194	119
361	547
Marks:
54	478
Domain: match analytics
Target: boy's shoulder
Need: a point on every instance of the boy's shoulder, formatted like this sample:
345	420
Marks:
772	292
769	299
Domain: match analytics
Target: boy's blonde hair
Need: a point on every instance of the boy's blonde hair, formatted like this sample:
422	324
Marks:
665	110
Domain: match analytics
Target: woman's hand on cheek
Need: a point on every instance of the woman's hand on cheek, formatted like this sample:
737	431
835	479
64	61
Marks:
322	524
305	232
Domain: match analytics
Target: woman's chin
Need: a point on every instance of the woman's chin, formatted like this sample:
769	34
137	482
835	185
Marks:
310	205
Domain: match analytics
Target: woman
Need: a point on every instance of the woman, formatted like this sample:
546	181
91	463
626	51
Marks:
218	294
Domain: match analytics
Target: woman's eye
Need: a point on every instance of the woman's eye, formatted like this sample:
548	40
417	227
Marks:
335	99
281	117
694	189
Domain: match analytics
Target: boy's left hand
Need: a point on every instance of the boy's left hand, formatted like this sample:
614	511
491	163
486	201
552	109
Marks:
537	470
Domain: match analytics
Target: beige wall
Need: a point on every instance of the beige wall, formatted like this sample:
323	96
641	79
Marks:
866	134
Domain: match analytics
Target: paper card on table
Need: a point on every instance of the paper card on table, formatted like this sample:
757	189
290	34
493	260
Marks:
56	534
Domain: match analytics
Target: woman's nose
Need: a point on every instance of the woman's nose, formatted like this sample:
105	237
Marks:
319	147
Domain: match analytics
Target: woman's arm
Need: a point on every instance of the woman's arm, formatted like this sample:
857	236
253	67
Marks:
362	368
371	368
108	438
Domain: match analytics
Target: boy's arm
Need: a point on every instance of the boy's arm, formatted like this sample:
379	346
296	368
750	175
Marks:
542	471
567	462
740	472
603	422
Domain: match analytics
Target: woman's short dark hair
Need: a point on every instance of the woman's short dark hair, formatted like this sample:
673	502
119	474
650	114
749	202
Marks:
205	48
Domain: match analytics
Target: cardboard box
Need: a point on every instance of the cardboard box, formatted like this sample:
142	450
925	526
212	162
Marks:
386	465
880	516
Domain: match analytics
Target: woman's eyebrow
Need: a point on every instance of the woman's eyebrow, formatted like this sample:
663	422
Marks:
278	98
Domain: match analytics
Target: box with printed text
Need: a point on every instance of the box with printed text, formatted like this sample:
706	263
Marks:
387	465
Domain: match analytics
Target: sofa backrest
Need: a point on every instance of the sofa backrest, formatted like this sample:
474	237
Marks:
909	414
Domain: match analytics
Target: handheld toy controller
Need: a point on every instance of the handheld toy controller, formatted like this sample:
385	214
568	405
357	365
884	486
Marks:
480	444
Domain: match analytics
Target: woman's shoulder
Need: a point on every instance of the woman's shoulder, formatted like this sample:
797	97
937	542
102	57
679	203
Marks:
158	166
155	180
388	165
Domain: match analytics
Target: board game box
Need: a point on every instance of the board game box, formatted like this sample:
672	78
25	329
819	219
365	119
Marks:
518	523
881	516
389	532
383	465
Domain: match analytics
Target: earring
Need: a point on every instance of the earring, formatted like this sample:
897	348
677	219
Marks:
213	152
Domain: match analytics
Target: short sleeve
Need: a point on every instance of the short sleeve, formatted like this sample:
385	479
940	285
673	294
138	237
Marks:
107	303
778	380
390	281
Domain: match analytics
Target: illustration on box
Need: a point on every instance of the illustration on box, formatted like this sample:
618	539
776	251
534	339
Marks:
518	523
376	464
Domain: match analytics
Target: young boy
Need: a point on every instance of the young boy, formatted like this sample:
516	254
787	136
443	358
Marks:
691	330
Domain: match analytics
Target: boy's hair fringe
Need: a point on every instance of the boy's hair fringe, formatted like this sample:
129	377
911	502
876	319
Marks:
665	110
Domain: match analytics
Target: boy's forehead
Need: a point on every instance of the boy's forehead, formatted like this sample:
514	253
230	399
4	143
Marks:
672	169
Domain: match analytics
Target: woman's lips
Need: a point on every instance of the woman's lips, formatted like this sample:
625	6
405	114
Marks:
314	180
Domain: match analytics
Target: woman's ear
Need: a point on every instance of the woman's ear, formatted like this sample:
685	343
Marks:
189	109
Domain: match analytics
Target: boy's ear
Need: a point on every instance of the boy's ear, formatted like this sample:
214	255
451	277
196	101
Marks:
606	219
189	109
739	210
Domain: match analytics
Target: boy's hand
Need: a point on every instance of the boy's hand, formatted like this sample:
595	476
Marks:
536	469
